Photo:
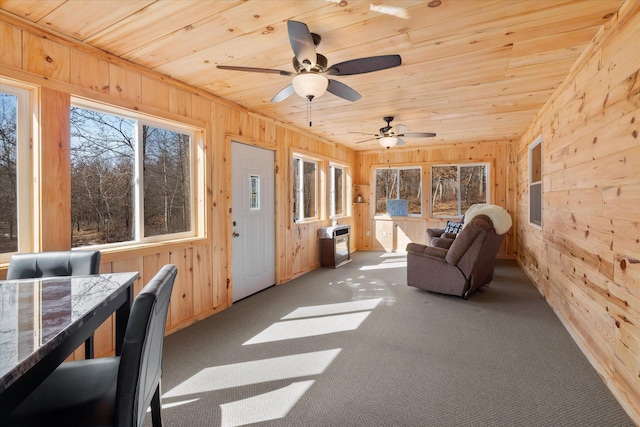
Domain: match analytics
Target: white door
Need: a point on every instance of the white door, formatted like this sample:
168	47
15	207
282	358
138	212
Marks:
253	219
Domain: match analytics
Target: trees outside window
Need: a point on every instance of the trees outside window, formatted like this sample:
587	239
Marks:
15	171
535	182
337	191
305	184
399	183
454	188
130	179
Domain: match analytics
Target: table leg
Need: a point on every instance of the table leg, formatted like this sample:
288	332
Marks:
122	317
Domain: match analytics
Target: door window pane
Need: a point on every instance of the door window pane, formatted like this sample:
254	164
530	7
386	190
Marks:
254	192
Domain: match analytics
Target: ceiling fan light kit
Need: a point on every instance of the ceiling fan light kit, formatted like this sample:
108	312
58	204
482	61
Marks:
388	141
310	85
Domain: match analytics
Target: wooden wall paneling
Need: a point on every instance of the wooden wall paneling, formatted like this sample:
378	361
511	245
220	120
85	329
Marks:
151	264
383	236
183	293
54	172
585	261
180	102
155	93
89	72
401	235
294	244
222	119
125	84
45	57
11	52
283	217
206	295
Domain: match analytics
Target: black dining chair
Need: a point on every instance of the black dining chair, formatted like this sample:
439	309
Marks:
110	391
53	264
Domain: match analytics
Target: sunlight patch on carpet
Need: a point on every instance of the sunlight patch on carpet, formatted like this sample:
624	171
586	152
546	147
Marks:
302	328
268	406
255	372
327	309
385	265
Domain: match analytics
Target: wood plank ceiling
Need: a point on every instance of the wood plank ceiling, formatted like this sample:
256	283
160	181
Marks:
472	70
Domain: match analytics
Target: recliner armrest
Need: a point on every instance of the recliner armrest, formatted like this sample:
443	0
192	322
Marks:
427	251
434	232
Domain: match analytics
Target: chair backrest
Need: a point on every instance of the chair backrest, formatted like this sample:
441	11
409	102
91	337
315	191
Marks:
51	264
141	358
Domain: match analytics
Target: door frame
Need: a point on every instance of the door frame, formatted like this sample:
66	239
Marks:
229	140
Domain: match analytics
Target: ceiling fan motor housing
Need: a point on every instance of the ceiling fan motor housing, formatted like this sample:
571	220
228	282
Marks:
321	64
385	131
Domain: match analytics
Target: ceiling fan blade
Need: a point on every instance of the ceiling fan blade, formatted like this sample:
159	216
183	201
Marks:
343	91
419	134
283	94
365	140
302	43
257	70
367	133
364	65
398	12
398	129
400	141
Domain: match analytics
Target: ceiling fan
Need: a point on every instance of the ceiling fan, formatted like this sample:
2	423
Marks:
390	136
309	80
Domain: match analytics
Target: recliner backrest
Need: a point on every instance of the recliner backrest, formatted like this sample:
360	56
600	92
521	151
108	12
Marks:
141	358
470	239
51	264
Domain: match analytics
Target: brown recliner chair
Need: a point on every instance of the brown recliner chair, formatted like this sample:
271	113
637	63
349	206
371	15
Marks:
467	265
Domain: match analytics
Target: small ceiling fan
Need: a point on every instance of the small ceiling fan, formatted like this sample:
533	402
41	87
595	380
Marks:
309	80
390	136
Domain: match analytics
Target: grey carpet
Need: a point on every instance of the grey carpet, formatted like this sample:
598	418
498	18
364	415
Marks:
501	358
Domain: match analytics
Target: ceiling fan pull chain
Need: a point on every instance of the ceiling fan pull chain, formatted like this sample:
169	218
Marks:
309	111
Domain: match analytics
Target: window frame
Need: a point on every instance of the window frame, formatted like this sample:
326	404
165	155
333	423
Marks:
343	197
377	215
196	174
299	216
27	117
487	165
537	143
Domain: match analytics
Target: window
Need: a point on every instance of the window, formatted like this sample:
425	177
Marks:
305	184
15	170
337	191
131	178
456	187
254	192
535	182
403	184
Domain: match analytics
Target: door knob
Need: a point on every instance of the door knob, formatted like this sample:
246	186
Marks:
236	234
